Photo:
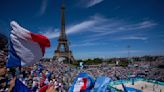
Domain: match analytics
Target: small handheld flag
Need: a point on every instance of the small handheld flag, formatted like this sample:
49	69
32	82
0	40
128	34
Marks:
82	83
101	84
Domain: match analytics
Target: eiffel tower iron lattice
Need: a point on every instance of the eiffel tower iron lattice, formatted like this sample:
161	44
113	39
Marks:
63	49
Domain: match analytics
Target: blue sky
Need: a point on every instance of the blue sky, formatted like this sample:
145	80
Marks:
95	28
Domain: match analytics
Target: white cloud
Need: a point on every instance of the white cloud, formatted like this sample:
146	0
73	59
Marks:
79	27
89	3
137	26
92	40
116	26
132	38
100	27
43	7
50	32
87	24
93	2
146	24
84	44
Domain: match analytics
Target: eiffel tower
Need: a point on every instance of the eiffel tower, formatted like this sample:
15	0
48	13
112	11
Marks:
63	45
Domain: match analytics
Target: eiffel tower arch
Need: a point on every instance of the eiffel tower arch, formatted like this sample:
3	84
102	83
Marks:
63	49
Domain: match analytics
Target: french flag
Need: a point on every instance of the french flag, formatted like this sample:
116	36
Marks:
82	83
25	48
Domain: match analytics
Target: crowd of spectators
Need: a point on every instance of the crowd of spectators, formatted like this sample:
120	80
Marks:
143	69
40	76
61	76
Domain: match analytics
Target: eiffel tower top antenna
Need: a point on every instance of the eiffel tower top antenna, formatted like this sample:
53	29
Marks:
62	34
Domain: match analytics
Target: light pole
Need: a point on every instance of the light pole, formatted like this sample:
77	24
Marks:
69	52
128	51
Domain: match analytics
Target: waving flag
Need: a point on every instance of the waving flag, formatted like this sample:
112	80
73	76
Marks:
20	87
25	48
101	84
82	83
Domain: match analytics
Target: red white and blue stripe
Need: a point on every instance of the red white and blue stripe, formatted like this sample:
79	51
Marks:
82	83
25	48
